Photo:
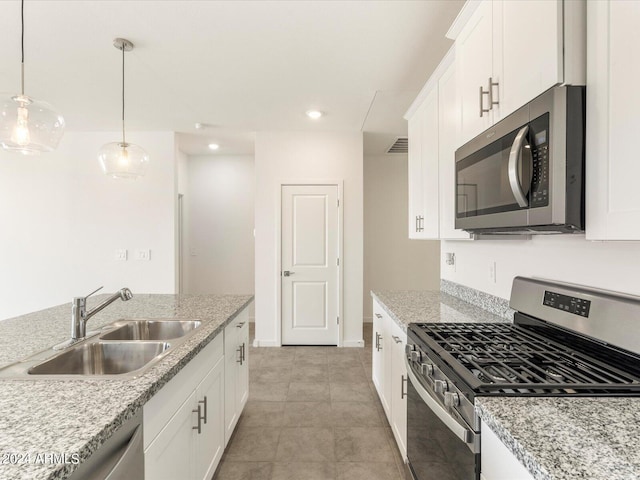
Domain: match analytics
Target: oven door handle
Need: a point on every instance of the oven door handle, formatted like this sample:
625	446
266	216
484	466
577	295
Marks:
465	434
515	165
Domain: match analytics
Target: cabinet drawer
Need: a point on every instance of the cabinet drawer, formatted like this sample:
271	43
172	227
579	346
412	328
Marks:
158	411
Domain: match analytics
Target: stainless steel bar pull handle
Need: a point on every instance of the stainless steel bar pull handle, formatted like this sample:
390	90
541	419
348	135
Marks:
199	427
204	402
515	166
403	392
240	325
244	358
239	358
482	109
493	102
397	339
417	224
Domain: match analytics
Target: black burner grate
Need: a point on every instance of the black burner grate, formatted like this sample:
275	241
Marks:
515	359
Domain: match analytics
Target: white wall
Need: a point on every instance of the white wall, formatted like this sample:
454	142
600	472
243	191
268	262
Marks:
285	156
62	219
609	265
391	260
220	247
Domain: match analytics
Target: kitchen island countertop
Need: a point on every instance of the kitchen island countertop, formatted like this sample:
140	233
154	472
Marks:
75	417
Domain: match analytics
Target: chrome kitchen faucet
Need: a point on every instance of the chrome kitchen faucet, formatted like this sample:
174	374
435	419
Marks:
80	315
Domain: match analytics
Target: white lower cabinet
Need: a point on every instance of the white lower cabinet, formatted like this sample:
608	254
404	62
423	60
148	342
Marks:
185	424
398	383
236	384
497	462
389	373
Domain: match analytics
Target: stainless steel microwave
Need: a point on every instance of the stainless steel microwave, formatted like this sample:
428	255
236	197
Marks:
526	173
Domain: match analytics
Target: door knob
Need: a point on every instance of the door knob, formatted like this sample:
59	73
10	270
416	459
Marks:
287	273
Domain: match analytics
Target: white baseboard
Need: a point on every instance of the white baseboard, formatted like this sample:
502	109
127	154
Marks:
265	343
353	343
367	319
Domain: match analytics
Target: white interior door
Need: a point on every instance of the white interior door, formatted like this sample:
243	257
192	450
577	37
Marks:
309	270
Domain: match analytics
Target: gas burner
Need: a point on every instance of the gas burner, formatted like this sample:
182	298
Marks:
553	376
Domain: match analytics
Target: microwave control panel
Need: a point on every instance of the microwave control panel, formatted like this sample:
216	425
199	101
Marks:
539	136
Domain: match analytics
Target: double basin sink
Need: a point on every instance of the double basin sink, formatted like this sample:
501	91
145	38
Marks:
125	348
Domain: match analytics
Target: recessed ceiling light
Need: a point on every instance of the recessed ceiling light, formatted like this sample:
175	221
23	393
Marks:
315	114
214	146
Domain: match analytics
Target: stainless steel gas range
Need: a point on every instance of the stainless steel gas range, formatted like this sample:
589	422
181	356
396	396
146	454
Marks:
566	340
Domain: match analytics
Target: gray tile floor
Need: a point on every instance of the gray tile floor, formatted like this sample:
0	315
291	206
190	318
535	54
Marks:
312	414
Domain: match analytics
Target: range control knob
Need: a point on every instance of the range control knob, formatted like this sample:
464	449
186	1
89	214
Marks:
441	386
426	369
415	356
451	399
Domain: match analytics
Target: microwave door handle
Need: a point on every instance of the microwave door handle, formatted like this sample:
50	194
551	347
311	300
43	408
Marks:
515	165
465	434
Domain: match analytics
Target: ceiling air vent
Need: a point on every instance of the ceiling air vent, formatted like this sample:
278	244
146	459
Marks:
401	145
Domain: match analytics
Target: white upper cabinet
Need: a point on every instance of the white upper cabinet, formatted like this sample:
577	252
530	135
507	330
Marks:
423	169
474	67
449	132
416	203
434	129
430	180
531	50
613	122
509	52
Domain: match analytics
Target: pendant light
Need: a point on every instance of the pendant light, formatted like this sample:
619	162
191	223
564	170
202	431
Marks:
27	125
123	159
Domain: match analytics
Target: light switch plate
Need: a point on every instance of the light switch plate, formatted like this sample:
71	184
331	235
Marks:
121	254
143	254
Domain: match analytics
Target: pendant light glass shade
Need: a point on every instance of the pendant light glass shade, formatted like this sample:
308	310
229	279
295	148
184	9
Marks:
28	126
123	160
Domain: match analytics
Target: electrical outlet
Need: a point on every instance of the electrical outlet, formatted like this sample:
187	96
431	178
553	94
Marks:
143	254
450	258
492	271
121	254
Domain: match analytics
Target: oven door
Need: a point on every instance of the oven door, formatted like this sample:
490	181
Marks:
439	446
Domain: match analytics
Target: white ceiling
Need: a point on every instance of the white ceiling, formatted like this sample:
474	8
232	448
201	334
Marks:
239	66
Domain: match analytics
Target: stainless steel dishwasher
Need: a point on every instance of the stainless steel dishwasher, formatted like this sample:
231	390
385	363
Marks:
121	457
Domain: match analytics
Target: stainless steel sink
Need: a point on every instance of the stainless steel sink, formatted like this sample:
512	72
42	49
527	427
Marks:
150	329
101	358
125	348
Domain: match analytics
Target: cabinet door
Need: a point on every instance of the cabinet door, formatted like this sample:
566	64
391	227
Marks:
449	121
242	379
210	442
173	453
232	357
399	389
474	60
613	103
414	128
377	371
530	40
497	462
387	356
430	224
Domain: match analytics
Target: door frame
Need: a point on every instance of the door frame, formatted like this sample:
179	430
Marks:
278	275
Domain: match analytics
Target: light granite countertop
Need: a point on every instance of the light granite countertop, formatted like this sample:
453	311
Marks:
77	416
559	438
426	306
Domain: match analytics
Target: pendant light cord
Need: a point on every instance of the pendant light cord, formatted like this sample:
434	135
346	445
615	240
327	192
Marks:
22	47
123	49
